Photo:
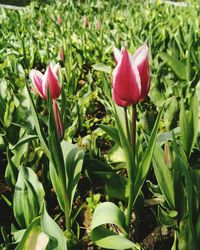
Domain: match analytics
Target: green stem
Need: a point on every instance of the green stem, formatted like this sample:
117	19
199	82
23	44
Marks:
67	221
134	129
127	125
130	177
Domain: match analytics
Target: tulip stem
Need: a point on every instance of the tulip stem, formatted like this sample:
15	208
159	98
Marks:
131	181
127	124
134	129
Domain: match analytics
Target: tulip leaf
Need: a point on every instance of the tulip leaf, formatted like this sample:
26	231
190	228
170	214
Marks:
33	237
28	197
163	176
49	226
107	239
102	67
112	132
189	124
58	186
37	124
116	186
11	171
178	67
73	157
124	142
23	140
146	161
109	213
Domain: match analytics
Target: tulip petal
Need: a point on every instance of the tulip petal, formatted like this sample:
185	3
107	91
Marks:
37	79
51	80
119	101
141	59
117	55
126	80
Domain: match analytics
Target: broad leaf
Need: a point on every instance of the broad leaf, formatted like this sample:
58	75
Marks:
28	197
57	240
109	213
33	237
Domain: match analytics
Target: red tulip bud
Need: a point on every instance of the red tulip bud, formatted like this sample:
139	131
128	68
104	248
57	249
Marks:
62	54
99	25
167	155
85	22
59	20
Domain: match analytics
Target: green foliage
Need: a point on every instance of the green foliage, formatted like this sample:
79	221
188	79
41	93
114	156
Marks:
28	197
31	38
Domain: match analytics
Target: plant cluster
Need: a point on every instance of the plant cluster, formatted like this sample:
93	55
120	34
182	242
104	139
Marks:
91	134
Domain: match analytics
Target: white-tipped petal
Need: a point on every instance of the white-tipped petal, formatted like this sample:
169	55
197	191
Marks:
117	55
140	55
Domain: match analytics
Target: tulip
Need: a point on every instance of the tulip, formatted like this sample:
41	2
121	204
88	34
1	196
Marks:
99	26
85	22
59	20
131	76
48	79
62	54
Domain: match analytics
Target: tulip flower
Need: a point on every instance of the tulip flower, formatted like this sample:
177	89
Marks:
48	79
131	76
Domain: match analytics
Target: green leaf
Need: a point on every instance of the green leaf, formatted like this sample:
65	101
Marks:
58	187
37	124
11	171
73	157
116	186
23	140
164	217
186	239
124	142
109	213
57	239
178	67
163	176
189	124
102	67
33	237
112	132
105	238
28	197
146	161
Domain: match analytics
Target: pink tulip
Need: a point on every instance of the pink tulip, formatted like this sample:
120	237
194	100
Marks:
141	58
131	77
59	20
49	79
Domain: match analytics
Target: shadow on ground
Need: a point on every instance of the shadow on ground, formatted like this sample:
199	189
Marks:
15	2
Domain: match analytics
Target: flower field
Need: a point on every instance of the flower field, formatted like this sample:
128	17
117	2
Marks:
100	125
